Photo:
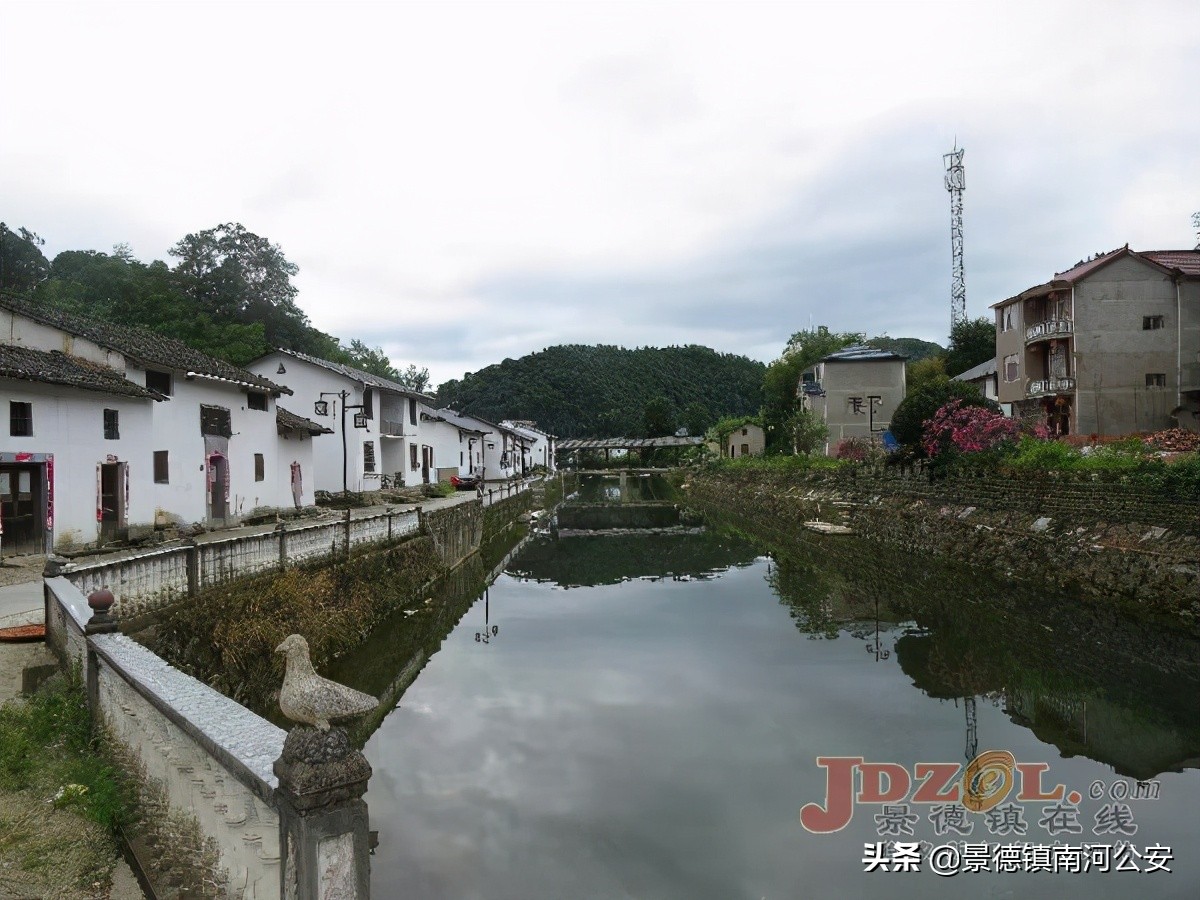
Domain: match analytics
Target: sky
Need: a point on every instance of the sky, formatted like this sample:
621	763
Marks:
464	182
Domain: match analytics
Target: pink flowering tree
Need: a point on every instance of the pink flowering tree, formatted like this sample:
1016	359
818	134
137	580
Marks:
967	429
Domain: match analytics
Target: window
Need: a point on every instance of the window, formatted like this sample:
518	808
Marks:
1156	379
162	474
20	419
112	425
368	456
1152	323
412	413
1006	319
413	461
215	420
256	400
1011	368
745	432
159	381
260	467
461	461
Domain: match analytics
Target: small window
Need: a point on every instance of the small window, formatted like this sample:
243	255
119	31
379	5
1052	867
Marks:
745	432
1152	323
461	461
162	474
1006	319
1011	368
412	412
412	457
112	425
215	420
260	467
20	419
368	456
159	381
1156	379
256	400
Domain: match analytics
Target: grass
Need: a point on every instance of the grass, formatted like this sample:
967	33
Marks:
60	800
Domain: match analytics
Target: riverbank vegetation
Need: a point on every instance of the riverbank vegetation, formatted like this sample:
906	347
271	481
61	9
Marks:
61	802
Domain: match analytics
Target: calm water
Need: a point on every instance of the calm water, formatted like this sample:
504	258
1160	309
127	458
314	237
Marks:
644	718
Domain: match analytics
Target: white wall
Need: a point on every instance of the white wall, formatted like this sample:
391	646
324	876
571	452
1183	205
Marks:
307	382
69	423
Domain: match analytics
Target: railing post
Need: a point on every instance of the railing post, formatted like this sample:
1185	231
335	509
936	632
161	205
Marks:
422	527
324	830
347	532
281	536
389	518
192	560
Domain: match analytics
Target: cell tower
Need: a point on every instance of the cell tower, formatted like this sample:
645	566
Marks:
956	184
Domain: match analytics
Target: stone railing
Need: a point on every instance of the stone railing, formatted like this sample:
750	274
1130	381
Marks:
157	577
1048	329
1050	386
223	811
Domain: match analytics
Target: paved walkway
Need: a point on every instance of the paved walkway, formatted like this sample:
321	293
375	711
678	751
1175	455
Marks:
21	576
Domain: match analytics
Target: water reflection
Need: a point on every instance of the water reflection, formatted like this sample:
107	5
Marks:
624	487
652	731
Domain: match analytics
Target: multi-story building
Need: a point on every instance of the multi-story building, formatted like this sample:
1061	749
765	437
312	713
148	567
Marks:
1110	346
854	392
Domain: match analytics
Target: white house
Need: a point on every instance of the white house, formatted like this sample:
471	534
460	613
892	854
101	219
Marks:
854	393
538	445
182	436
501	456
457	443
376	422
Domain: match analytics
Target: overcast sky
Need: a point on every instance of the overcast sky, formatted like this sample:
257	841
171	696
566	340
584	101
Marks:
460	183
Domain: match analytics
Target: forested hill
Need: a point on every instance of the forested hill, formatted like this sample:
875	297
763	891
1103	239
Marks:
584	391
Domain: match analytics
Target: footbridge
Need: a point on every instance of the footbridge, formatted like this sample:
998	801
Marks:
575	445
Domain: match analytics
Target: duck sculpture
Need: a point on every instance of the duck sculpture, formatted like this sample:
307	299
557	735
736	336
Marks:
308	698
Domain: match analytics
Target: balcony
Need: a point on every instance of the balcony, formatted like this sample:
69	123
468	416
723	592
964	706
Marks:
1050	386
391	428
1051	328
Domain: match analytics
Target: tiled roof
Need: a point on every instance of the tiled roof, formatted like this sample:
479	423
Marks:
979	371
356	374
291	421
463	422
27	364
861	353
141	346
1187	261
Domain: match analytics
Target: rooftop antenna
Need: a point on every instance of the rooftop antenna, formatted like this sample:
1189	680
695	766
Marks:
956	184
1196	225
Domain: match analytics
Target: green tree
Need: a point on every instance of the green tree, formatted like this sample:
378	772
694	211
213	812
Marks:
369	359
22	264
696	418
919	406
233	273
414	379
808	433
658	417
782	379
971	342
923	371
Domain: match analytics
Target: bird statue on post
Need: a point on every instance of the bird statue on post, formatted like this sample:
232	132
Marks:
308	698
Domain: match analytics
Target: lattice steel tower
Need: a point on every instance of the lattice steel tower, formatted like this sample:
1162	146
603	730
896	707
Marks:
956	184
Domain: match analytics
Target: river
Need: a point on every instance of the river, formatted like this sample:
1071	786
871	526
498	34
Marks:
641	716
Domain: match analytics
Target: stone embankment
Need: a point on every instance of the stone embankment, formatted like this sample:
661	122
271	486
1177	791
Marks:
1119	543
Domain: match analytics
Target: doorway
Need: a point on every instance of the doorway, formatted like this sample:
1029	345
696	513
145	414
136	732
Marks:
426	463
21	499
218	487
112	502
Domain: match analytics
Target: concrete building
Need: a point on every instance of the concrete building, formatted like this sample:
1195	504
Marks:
748	440
854	393
502	448
1110	346
113	429
376	422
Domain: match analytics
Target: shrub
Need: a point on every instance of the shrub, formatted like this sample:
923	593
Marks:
853	449
967	429
922	404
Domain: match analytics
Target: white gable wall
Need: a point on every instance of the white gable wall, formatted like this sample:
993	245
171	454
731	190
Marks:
69	423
